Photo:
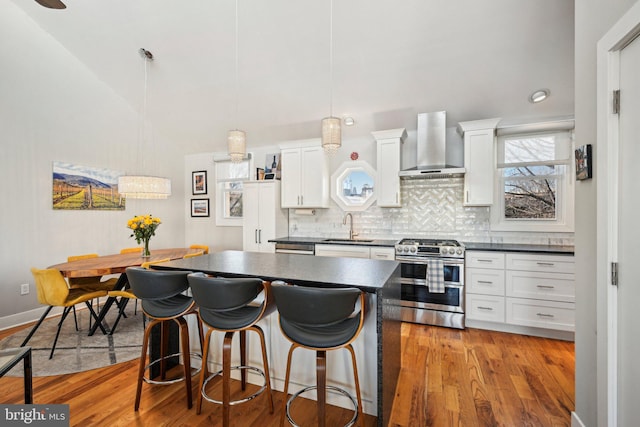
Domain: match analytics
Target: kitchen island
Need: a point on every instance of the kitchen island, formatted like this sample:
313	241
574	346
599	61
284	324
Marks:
378	346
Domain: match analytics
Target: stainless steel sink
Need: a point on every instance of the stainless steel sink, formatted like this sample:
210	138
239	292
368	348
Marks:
348	240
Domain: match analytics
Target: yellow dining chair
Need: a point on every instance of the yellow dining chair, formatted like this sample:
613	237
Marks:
127	294
94	283
53	291
204	248
195	254
131	250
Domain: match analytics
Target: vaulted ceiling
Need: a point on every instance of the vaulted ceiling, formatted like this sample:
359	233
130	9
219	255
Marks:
392	59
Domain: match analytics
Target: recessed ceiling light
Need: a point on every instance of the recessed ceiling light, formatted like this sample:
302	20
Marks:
539	95
348	121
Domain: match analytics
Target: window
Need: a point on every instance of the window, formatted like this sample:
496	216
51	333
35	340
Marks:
534	187
229	177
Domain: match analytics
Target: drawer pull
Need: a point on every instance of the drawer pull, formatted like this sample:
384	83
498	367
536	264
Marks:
485	308
485	282
485	260
546	264
545	315
545	287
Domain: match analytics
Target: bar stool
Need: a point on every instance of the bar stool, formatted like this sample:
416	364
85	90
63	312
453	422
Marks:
229	306
319	319
161	294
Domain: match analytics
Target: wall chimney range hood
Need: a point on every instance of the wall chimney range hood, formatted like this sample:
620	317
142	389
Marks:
431	149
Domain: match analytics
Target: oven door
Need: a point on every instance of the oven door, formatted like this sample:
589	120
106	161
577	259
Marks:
415	292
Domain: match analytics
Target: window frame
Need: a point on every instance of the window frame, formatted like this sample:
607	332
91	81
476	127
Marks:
221	219
565	203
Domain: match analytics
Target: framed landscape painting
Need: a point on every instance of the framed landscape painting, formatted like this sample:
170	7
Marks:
77	187
199	207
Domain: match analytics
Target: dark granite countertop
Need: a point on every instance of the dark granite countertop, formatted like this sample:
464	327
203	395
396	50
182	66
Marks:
367	274
327	241
517	247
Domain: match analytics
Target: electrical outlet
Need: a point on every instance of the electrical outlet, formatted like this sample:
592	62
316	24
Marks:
24	289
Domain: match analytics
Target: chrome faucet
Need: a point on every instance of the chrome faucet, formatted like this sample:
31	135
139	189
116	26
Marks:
344	222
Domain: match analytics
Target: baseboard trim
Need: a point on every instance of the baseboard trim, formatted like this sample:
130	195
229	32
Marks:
25	317
575	420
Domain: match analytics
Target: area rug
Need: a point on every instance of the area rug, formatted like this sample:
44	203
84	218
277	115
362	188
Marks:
75	350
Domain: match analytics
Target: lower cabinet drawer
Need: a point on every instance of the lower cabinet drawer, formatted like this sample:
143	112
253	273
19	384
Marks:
548	286
541	314
485	307
485	281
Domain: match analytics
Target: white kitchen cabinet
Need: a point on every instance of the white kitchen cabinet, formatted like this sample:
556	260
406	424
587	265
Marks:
263	218
382	252
305	178
528	293
479	161
485	286
388	161
357	251
347	251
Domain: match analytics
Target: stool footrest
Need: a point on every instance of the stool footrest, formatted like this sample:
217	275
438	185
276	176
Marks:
173	381
351	422
235	402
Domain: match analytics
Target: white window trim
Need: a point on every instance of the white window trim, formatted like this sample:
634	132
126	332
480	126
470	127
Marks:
566	205
221	221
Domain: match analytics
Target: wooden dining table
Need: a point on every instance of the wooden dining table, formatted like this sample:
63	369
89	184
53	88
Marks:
116	264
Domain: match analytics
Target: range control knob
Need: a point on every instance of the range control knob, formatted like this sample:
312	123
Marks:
452	251
413	249
459	251
406	249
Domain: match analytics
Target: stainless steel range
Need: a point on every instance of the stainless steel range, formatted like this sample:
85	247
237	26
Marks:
418	303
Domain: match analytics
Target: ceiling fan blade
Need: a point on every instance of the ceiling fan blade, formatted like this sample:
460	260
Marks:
52	4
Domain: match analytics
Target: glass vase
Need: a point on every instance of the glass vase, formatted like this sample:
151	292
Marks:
145	250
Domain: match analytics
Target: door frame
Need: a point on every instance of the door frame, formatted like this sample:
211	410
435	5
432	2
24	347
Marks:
608	79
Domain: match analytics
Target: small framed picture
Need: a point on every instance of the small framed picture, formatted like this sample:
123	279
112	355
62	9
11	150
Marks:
583	162
199	182
199	207
259	174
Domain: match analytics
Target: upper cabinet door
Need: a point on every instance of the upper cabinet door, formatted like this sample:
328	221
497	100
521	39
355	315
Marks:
479	161
305	178
388	161
290	176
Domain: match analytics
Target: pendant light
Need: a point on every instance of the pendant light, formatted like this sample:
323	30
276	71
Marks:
331	132
142	186
237	139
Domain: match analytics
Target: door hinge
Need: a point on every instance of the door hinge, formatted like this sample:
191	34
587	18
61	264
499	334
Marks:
616	101
614	273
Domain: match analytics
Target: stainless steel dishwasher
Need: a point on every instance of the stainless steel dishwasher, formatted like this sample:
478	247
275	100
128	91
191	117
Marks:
296	248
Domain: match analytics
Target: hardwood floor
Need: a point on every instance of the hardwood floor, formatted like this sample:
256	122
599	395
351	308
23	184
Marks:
448	378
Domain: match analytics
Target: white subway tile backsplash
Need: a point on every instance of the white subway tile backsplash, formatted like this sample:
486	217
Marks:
430	209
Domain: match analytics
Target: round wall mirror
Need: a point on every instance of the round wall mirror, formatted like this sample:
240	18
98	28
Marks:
353	186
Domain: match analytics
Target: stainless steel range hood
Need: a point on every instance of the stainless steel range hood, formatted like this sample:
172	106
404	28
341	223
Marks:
431	149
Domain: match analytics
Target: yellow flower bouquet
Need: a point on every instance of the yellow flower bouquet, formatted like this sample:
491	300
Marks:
143	226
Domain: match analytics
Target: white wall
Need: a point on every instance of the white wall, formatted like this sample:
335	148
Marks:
592	20
52	108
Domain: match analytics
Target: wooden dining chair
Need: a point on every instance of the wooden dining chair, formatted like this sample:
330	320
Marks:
53	291
205	248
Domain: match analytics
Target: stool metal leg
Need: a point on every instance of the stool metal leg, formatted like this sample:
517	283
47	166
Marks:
357	381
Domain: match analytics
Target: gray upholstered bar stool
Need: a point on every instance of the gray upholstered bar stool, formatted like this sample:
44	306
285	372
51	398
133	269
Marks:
319	319
231	305
163	301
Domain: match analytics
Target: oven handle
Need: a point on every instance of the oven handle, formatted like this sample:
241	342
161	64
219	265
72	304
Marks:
446	261
422	282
